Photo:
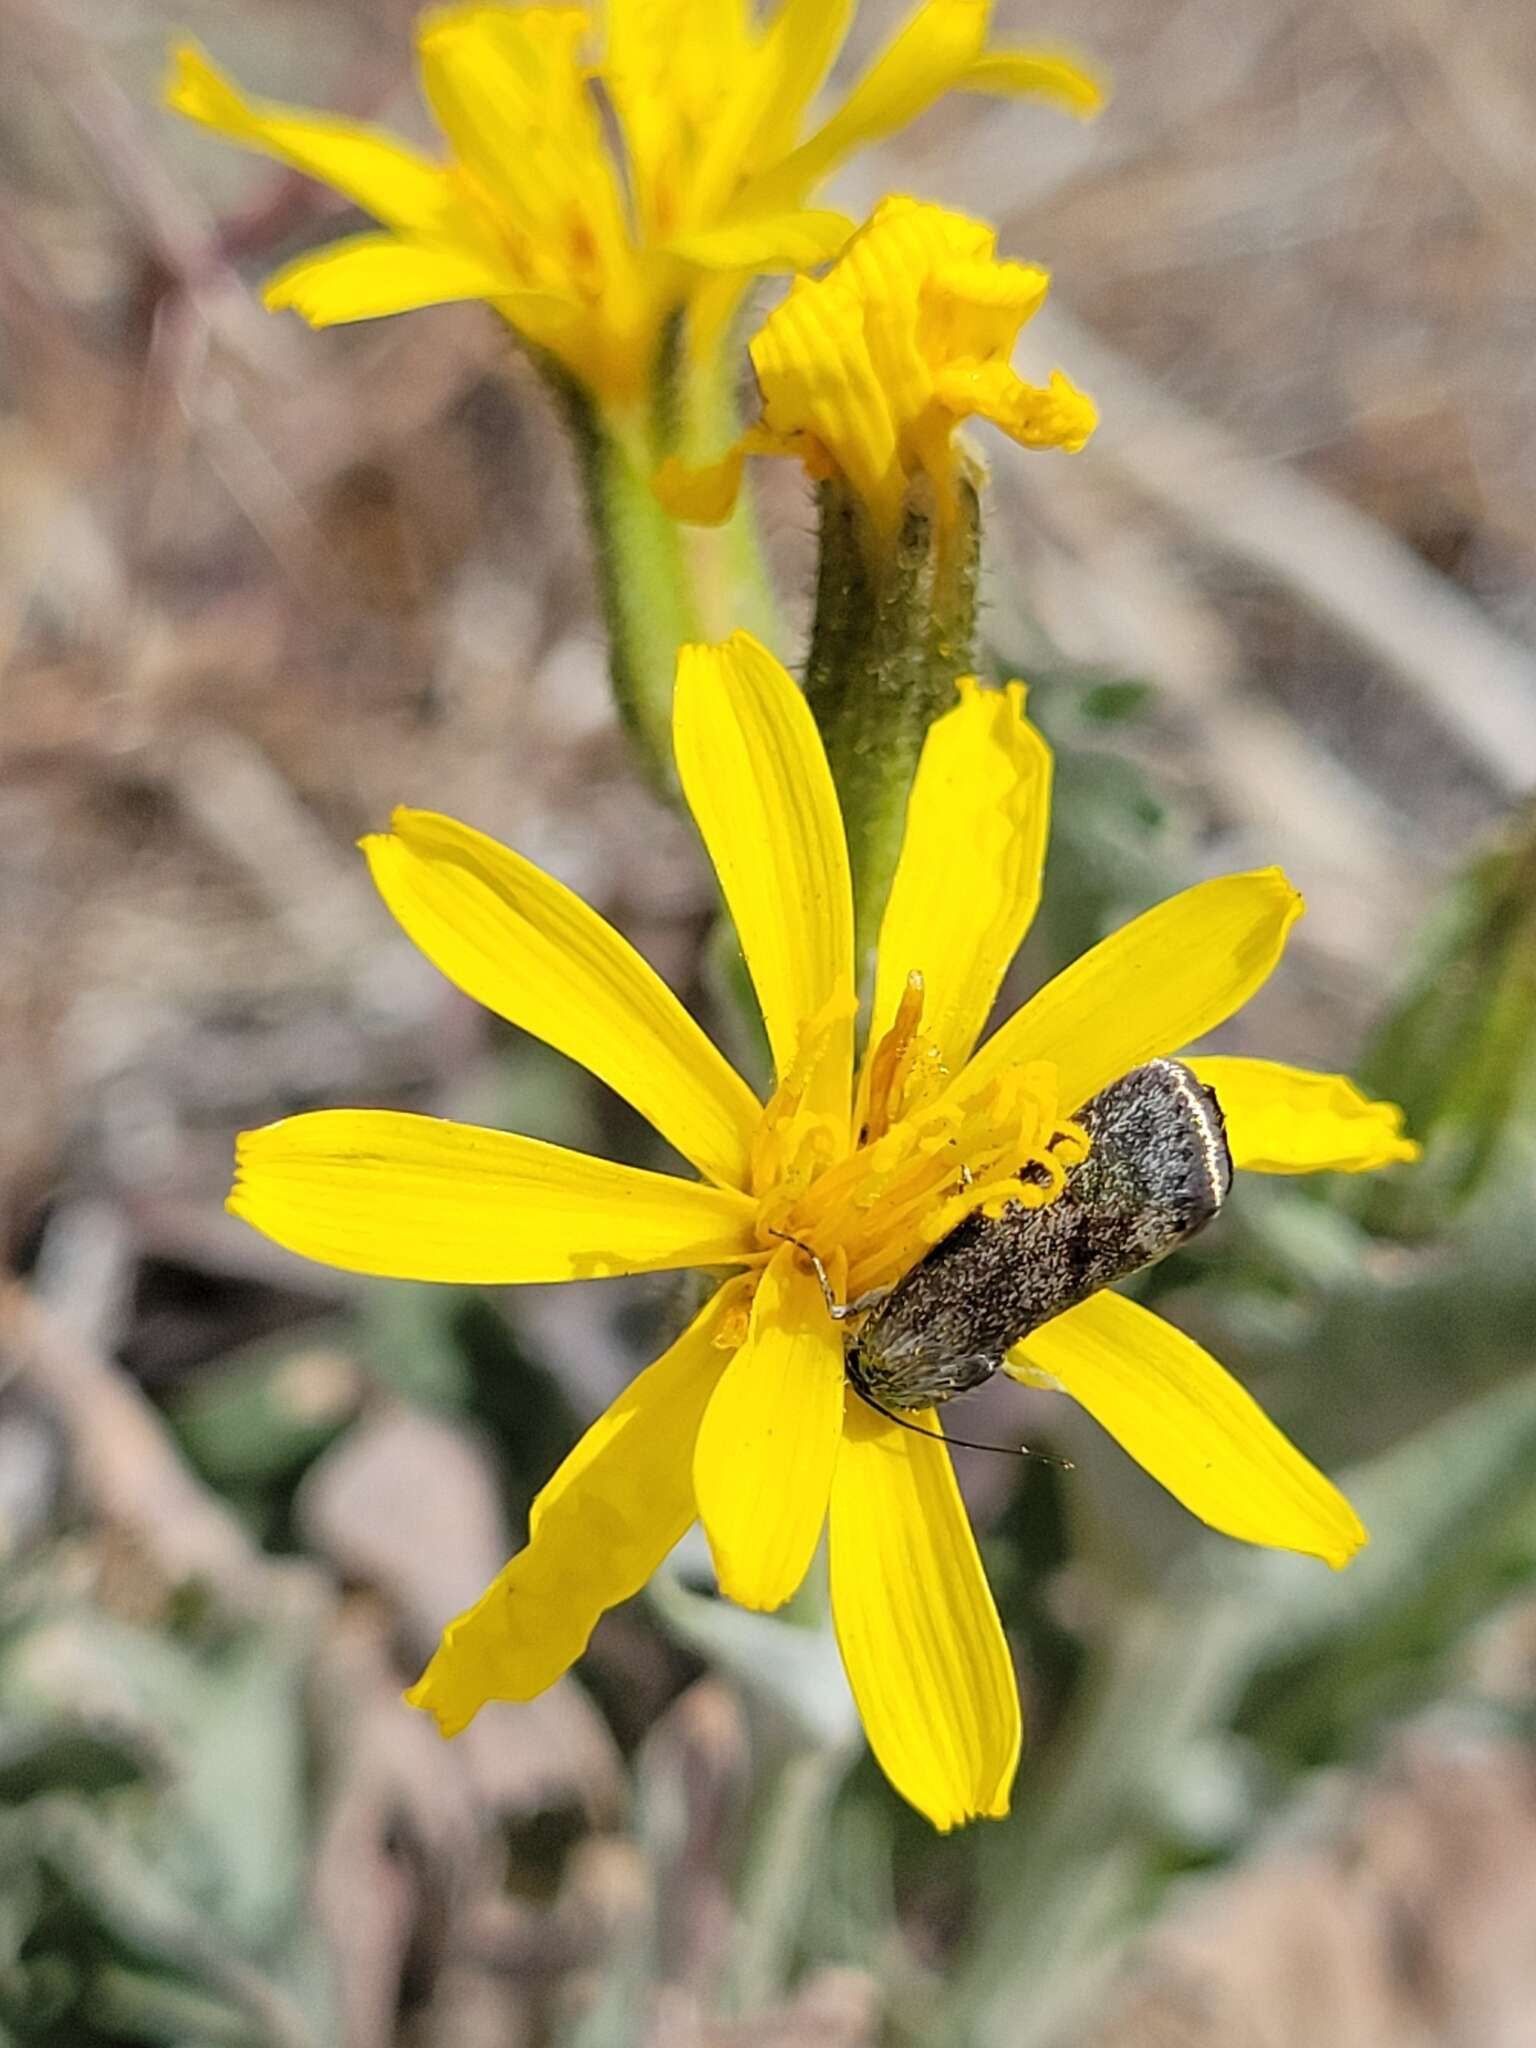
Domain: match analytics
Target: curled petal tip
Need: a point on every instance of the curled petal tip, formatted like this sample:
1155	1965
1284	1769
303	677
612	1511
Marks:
704	496
1352	1541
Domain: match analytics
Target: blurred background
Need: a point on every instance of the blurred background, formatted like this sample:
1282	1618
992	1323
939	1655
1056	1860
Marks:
256	586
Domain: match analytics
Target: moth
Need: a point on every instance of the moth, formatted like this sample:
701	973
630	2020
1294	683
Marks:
1157	1172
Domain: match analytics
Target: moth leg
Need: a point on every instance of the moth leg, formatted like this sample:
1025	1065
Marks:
839	1311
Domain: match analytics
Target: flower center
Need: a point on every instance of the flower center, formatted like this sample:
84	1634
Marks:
919	1163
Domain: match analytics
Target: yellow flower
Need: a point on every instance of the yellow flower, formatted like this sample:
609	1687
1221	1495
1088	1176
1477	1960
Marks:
589	251
746	1422
866	372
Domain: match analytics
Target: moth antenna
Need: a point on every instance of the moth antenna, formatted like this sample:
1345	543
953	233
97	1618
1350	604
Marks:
839	1311
963	1443
833	1307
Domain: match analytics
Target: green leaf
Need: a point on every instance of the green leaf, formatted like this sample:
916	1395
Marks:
1116	703
1459	1050
1086	1854
259	1419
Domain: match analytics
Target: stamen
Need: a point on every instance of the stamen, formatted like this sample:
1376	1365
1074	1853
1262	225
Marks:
889	1063
924	1161
793	1145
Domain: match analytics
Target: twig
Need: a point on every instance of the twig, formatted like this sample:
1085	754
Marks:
243	804
1335	834
1438	644
1426	1857
784	1847
85	1272
396	1832
183	237
1467	108
122	1460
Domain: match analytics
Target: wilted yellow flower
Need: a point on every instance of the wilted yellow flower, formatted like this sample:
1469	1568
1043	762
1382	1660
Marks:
587	249
747	1421
866	373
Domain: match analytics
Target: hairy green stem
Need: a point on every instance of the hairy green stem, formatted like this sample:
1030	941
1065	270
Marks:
730	577
895	626
663	583
644	576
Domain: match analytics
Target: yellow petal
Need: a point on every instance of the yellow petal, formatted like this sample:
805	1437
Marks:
921	1641
700	495
968	880
795	240
756	778
797	51
974	306
709	329
558	319
907	242
597	1532
893	267
417	1198
934	51
1149	989
368	276
763	1464
1054	415
1185	1420
652	41
509	86
528	948
1288	1120
1038	74
676	73
818	377
397	185
704	110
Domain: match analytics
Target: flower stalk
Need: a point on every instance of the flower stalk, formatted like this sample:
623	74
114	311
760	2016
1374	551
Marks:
895	625
661	584
645	574
732	588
